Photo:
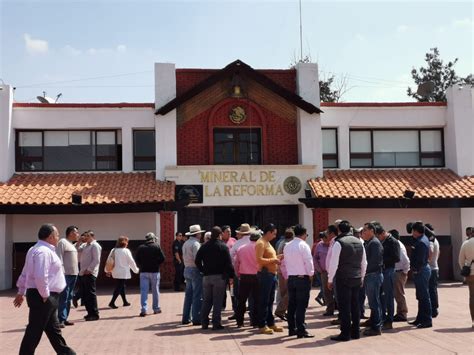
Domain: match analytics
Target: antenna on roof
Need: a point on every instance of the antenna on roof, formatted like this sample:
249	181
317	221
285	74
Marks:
426	89
48	100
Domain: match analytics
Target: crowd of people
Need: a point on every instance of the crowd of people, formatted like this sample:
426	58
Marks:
352	266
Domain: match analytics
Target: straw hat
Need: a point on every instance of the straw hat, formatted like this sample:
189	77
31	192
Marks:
244	229
195	229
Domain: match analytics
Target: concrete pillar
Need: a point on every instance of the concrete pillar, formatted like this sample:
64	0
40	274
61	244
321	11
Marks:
7	134
306	219
6	247
309	125
460	130
127	149
158	226
165	126
343	147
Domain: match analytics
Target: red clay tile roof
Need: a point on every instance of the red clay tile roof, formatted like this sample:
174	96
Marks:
95	188
386	184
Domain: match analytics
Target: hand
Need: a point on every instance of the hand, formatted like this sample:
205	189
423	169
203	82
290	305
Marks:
280	256
330	286
276	261
108	274
17	302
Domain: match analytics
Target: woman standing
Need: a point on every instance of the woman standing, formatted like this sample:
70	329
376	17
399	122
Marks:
123	262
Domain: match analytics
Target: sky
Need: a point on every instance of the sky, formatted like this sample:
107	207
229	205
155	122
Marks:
104	50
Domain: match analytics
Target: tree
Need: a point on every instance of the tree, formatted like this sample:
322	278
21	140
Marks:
329	89
442	75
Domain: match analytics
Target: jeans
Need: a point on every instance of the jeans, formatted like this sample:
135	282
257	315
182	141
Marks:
348	304
66	297
372	282
149	280
421	279
43	316
267	282
433	287
192	295
298	298
213	291
387	299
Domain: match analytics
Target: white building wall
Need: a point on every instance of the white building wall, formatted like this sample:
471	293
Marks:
106	226
7	137
6	246
392	218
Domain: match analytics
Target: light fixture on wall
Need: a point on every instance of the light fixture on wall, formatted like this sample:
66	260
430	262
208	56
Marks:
76	199
408	194
236	85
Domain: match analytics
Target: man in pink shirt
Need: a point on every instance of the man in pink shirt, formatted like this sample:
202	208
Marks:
42	280
227	237
246	268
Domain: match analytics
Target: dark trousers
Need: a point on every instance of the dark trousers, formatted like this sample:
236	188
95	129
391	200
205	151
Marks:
433	287
213	289
421	279
89	295
267	282
347	291
298	298
178	276
248	287
362	301
78	290
119	290
43	316
235	294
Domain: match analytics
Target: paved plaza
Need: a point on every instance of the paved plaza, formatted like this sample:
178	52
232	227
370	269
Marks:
122	331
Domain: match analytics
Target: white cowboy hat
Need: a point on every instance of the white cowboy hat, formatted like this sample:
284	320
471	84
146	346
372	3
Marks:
245	229
195	229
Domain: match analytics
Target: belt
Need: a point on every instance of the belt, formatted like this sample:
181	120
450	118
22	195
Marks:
401	270
299	276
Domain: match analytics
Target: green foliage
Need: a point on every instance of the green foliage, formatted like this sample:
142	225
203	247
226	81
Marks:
441	74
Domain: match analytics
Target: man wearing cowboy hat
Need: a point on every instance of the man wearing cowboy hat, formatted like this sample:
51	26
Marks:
193	277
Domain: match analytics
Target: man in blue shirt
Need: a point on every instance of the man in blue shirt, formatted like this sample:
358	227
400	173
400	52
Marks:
421	274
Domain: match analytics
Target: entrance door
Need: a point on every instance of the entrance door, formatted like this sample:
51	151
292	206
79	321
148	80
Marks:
235	216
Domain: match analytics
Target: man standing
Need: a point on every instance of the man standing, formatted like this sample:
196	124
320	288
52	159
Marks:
282	303
149	258
178	261
466	258
90	252
42	280
421	275
391	256
401	276
213	260
67	253
298	263
373	278
227	237
193	277
347	268
320	256
433	262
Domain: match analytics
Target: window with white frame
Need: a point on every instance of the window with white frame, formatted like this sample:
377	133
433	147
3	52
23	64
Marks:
378	148
330	152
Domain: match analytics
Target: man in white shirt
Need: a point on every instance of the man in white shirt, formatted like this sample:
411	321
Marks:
401	274
347	267
298	263
433	263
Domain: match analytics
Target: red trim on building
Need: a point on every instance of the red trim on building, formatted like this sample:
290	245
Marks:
166	243
320	220
86	105
381	104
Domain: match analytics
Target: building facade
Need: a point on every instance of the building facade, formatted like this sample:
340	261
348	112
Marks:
231	146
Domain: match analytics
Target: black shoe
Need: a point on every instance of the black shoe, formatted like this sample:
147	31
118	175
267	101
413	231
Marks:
142	314
414	322
336	322
304	335
281	316
74	303
182	322
434	314
62	325
367	323
387	326
340	338
328	314
232	317
66	322
91	318
369	332
240	325
292	332
217	327
424	325
205	326
355	335
197	323
126	304
399	318
112	305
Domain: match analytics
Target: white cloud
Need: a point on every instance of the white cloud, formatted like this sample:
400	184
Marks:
402	28
463	23
35	46
71	51
121	48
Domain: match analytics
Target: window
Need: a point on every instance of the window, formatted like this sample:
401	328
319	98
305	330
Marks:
330	156
396	148
237	146
144	150
68	150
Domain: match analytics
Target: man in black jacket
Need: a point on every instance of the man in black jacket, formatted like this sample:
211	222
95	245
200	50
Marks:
391	256
149	257
213	260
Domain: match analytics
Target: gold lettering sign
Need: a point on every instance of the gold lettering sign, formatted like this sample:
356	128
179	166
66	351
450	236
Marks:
237	115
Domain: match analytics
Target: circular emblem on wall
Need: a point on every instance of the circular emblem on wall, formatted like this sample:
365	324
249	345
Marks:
237	115
292	185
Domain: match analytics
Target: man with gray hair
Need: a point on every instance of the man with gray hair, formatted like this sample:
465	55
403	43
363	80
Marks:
149	257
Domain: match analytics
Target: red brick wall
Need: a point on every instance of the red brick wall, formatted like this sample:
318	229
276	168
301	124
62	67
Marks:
320	220
166	241
279	136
